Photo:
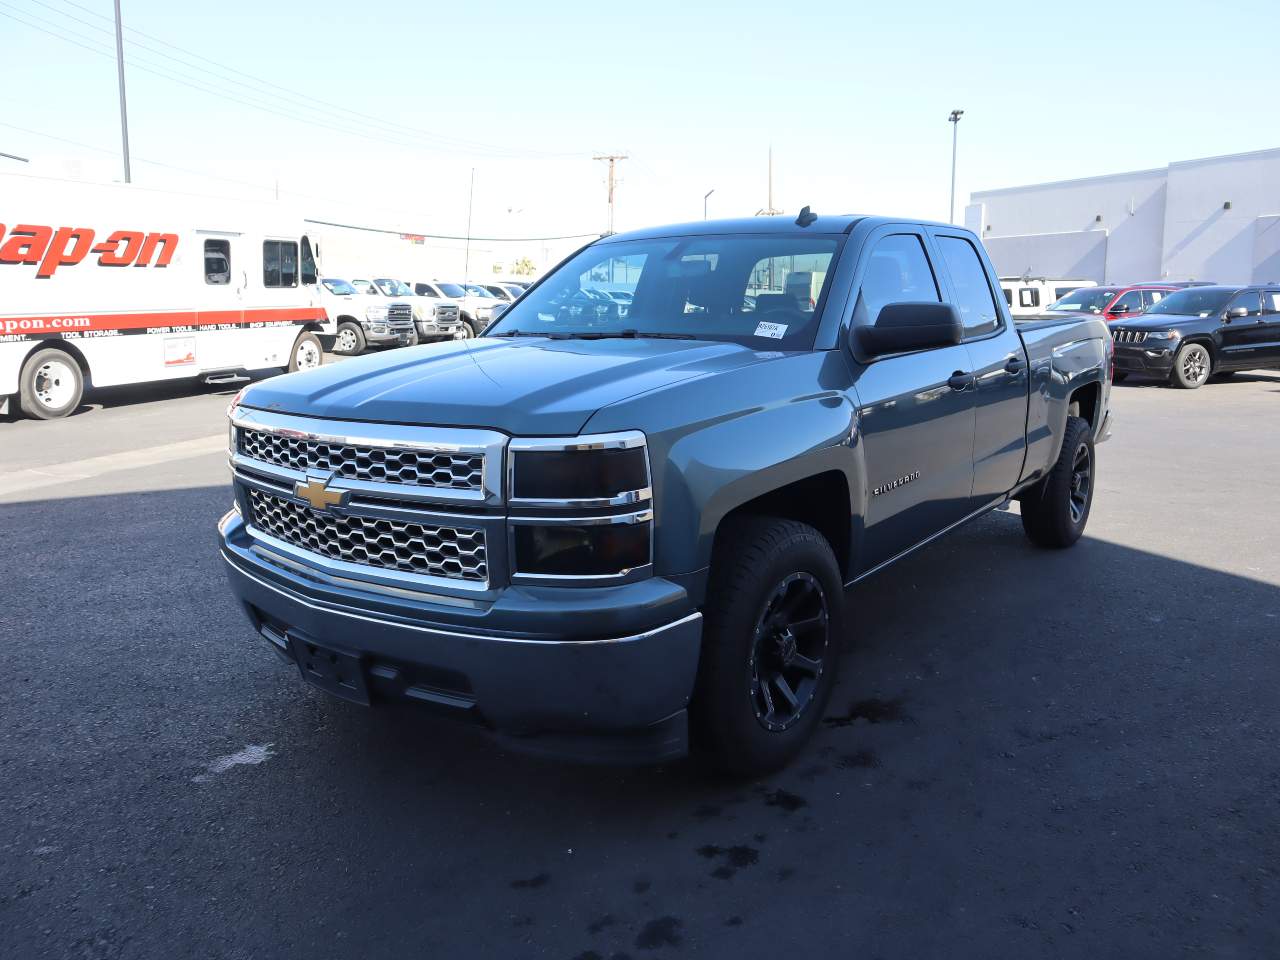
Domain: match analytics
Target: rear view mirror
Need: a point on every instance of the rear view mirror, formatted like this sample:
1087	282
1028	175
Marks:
901	327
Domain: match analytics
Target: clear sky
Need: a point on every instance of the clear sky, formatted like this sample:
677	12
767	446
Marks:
389	104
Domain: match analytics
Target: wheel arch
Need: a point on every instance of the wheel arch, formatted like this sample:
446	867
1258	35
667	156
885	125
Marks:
67	348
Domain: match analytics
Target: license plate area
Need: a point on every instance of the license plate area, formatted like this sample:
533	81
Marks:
333	671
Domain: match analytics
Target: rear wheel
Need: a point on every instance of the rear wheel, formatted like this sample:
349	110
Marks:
770	647
1055	510
350	339
1191	367
50	385
307	353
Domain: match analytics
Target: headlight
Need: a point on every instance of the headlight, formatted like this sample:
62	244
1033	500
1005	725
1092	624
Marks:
231	436
551	486
377	311
1163	335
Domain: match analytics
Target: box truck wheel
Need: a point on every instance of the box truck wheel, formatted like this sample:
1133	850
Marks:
307	352
50	385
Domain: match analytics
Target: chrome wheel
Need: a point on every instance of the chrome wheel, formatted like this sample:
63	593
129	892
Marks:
1081	482
306	356
789	649
55	384
462	331
1195	364
346	342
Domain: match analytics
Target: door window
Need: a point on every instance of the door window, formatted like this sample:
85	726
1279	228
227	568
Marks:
1131	302
217	262
279	263
1270	302
1028	297
972	290
1248	299
364	286
897	272
1151	297
308	262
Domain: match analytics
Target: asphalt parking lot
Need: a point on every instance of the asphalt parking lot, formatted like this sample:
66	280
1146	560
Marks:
1030	754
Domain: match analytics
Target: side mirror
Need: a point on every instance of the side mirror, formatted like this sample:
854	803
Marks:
1236	313
902	327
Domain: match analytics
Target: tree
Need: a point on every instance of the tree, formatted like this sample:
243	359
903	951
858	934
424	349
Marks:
524	267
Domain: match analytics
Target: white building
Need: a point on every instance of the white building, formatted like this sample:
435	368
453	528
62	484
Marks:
1214	219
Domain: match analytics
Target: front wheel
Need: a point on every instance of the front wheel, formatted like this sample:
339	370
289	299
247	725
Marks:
307	353
1055	510
770	647
50	385
1191	367
350	340
463	331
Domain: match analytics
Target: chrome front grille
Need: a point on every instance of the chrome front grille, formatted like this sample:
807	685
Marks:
1130	336
457	553
423	468
447	312
400	312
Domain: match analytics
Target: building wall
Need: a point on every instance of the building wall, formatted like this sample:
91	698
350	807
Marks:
1156	224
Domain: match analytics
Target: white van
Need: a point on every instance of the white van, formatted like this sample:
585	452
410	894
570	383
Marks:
109	284
1028	296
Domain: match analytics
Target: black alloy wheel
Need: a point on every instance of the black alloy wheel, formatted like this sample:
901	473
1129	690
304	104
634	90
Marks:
1081	480
789	650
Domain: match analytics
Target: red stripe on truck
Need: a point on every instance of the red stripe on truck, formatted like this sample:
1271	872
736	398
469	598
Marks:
163	318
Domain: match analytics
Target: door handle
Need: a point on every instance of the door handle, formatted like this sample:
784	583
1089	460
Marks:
1014	365
960	381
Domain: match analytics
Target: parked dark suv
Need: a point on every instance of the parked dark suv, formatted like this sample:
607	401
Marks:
1113	303
1200	332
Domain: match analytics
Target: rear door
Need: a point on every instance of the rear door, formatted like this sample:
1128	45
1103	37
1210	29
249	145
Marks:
917	430
998	365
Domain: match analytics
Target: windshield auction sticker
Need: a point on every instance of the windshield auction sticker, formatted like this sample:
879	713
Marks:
774	331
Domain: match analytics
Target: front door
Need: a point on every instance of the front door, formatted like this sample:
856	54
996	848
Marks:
916	427
1269	345
1241	340
999	367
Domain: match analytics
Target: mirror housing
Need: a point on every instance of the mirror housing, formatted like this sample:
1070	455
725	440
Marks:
1236	313
903	327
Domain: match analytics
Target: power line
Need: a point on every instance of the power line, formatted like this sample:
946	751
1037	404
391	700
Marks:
440	236
306	100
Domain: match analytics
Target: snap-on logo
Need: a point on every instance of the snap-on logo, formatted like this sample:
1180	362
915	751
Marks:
894	484
51	248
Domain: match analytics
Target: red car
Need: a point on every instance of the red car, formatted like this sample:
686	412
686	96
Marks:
1114	303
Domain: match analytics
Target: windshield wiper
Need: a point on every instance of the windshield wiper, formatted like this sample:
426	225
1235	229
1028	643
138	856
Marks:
629	334
529	333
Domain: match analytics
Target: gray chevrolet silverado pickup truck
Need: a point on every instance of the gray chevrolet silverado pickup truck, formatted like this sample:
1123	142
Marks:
625	533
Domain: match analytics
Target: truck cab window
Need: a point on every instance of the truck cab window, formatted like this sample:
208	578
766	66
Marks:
279	263
217	262
1028	297
973	295
897	272
308	262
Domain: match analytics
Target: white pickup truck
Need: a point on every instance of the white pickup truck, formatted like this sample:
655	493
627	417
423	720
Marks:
364	316
476	302
434	318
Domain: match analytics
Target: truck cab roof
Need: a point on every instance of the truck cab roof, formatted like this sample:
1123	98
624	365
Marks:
782	224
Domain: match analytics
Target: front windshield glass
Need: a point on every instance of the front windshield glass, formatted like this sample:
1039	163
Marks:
478	291
1085	300
762	291
1196	302
451	290
394	288
339	287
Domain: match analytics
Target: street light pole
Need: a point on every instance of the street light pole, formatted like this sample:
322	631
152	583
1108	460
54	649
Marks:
704	201
955	129
124	113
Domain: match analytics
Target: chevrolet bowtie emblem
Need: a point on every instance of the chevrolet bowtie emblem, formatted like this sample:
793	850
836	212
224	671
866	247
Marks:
316	491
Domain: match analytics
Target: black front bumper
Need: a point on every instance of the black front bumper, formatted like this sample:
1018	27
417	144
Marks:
621	696
1149	359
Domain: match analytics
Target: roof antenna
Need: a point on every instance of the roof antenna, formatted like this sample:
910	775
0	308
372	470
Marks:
806	217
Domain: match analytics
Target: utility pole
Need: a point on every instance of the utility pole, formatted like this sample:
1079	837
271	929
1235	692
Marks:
124	112
613	159
704	201
466	258
955	129
14	156
770	210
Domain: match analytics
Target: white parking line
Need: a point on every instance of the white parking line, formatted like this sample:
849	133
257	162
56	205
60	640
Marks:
37	477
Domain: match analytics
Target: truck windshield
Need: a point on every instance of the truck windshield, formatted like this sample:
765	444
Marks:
1196	302
478	291
394	288
451	290
761	291
339	287
1085	300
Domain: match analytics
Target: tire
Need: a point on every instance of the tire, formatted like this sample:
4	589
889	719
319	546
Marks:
1119	376
1191	367
766	571
50	385
1055	510
350	339
307	353
464	331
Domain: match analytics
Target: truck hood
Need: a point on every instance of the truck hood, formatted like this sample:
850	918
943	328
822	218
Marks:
528	386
